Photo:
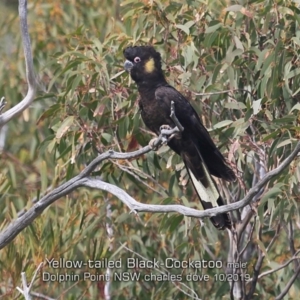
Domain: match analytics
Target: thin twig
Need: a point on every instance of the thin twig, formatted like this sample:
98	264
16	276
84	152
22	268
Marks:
26	291
288	285
146	176
221	92
41	296
274	238
35	274
256	270
248	240
278	268
125	169
291	242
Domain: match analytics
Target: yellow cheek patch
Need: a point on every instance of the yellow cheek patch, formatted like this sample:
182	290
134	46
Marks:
150	65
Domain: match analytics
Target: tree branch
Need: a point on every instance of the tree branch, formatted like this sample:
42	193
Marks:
8	234
26	218
26	292
277	269
222	92
288	285
256	271
31	79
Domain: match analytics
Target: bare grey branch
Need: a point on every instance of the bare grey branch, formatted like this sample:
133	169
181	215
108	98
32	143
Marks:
82	179
31	79
26	291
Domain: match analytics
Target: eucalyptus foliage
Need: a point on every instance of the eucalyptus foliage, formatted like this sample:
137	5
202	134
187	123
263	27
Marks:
238	64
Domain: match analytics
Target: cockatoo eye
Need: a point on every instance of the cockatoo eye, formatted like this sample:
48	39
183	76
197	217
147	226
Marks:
137	60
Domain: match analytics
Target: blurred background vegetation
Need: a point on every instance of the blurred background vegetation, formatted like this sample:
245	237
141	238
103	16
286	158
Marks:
87	104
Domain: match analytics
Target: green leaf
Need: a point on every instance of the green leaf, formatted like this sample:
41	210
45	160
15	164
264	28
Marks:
186	27
235	8
271	193
238	43
174	224
289	119
213	28
51	111
262	248
285	142
235	105
269	115
107	137
292	74
270	136
117	75
64	127
44	176
222	124
296	106
256	106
